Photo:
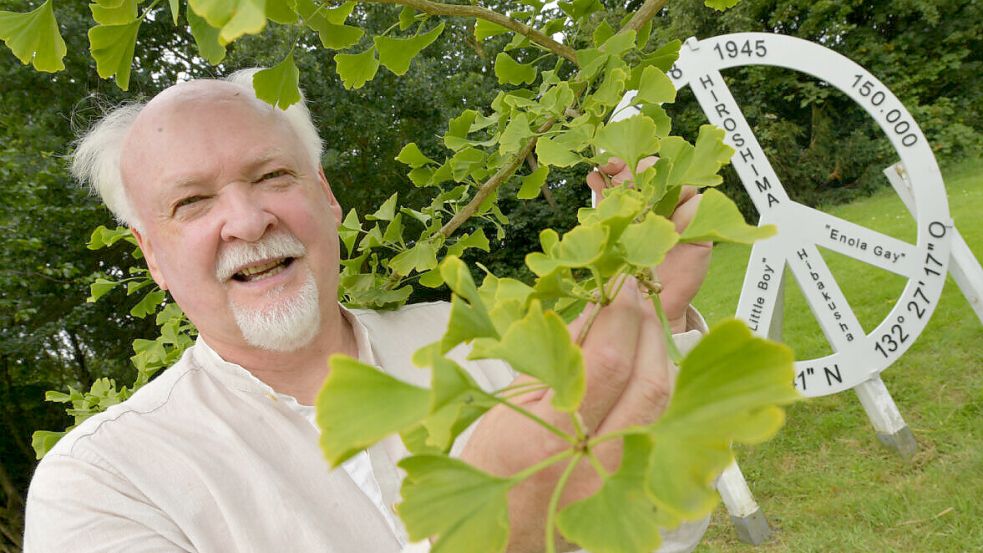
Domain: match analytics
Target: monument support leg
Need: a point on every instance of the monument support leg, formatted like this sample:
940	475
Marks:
963	266
884	415
749	521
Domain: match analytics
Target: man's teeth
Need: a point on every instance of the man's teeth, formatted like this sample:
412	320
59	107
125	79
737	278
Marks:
265	270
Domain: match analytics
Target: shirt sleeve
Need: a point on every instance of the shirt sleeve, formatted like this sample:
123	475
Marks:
76	505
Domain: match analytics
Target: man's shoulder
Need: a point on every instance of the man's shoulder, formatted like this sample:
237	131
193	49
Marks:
431	315
149	402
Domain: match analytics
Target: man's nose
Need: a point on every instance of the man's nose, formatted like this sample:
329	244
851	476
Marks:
245	215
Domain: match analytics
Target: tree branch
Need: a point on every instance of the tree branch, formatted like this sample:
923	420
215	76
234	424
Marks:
644	14
439	8
493	183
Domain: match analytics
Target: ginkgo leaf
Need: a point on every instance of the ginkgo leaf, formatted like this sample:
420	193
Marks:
717	218
551	152
512	72
484	29
359	405
540	345
647	243
175	7
233	18
279	85
655	87
514	135
729	389
709	155
329	23
356	69
421	257
206	38
463	507
620	518
125	13
34	37
456	401
412	156
282	11
533	183
112	47
469	318
721	5
396	53
581	246
476	239
629	139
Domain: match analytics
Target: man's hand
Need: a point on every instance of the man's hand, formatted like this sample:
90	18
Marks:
628	383
686	265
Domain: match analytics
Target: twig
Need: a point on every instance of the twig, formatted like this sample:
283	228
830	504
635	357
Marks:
493	183
439	8
644	14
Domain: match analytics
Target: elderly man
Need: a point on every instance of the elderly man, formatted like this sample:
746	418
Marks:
236	219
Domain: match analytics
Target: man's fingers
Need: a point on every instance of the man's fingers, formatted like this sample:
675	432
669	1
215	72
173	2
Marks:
689	202
613	166
596	182
647	392
609	353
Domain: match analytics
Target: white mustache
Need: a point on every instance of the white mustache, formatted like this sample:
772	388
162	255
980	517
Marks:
238	255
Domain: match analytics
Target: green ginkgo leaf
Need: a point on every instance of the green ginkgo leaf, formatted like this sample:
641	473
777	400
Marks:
384	405
100	288
396	53
356	69
647	243
206	38
412	156
456	401
476	239
233	18
515	134
469	318
557	154
655	87
463	507
421	257
512	72
629	139
620	518
175	7
718	219
112	47
709	155
279	85
34	37
729	389
125	13
484	29
721	5
533	183
540	345
329	23
282	11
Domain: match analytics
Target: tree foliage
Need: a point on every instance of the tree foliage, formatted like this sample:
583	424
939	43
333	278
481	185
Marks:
550	115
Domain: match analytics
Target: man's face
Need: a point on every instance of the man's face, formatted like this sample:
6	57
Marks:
235	219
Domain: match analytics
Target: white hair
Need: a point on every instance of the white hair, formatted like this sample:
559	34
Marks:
96	160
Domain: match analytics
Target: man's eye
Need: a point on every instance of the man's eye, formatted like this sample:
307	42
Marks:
274	174
190	200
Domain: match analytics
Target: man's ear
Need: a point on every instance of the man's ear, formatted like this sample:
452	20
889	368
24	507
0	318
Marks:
148	254
332	200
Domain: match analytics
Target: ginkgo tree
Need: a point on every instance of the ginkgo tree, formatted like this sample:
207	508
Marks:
563	72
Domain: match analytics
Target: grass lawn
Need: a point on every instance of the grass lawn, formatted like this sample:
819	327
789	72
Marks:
825	483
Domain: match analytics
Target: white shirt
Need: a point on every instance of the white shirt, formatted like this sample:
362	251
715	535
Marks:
209	458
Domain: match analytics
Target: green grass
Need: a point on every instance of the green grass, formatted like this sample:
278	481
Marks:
825	483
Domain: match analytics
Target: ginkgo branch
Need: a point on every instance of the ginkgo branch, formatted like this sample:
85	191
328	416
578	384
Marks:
644	14
493	183
459	10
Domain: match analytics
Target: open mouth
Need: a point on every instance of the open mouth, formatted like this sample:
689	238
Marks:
263	270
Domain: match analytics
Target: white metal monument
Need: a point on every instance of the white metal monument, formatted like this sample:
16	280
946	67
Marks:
858	356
